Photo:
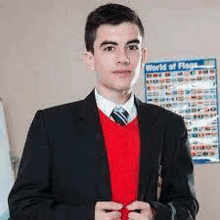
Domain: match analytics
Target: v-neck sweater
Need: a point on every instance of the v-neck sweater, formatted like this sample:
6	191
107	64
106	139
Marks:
122	145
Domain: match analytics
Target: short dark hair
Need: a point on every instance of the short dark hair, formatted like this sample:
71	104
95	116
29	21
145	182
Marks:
113	14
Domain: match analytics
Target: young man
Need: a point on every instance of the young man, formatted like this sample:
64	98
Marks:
109	156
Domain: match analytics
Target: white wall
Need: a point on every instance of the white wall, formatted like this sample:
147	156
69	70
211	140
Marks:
40	60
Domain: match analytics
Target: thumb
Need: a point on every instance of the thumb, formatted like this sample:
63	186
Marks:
138	205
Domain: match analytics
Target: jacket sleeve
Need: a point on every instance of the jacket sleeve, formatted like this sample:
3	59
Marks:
177	200
33	196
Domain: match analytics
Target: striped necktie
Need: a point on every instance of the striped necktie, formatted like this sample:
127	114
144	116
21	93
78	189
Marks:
120	115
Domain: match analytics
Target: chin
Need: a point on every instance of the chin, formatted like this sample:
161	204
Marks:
119	87
123	88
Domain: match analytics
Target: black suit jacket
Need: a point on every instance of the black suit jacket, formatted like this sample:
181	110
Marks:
64	171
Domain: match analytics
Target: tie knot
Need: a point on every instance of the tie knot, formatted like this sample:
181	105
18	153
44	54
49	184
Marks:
120	115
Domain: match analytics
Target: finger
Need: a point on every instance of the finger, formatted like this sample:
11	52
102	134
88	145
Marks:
139	205
114	215
108	205
134	215
138	216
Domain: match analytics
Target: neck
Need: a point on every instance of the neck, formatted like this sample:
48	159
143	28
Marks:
117	96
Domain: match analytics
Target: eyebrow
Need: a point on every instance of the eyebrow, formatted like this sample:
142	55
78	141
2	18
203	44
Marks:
115	43
108	42
133	41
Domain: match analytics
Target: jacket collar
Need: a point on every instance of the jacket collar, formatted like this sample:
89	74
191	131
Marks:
89	107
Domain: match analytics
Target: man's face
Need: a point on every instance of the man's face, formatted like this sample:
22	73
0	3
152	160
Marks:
117	56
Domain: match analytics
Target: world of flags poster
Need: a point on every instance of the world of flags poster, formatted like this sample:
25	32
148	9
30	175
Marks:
188	88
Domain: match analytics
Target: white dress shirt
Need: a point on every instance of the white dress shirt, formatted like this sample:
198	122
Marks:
106	106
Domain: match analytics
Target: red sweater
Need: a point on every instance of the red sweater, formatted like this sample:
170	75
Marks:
122	144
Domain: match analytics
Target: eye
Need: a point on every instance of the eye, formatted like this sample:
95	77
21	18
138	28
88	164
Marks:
109	48
133	47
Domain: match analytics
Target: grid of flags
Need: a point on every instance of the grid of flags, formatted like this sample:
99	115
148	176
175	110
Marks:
189	88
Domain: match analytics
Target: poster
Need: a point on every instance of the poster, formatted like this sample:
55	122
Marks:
188	88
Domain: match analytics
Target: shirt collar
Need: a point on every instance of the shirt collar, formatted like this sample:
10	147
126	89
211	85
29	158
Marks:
106	106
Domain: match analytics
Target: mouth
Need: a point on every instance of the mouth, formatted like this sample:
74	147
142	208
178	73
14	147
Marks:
122	71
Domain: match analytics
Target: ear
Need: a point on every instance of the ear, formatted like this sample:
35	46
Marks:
88	59
144	55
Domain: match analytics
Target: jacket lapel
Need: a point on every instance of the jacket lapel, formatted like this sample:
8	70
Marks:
89	127
150	149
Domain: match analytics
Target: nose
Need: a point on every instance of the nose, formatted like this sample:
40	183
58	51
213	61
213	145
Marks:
122	57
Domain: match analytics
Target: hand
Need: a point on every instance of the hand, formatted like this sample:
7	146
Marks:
108	211
145	211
